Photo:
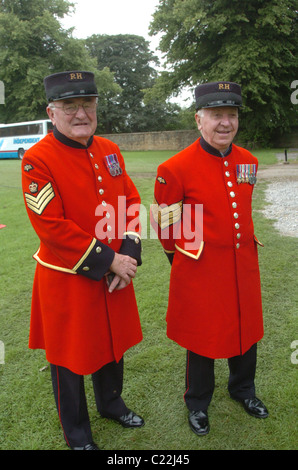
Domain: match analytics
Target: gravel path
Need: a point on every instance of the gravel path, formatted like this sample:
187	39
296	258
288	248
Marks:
282	196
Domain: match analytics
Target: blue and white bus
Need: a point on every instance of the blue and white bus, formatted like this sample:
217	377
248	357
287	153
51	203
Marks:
18	137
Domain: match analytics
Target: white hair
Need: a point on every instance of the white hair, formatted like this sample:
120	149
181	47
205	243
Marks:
200	113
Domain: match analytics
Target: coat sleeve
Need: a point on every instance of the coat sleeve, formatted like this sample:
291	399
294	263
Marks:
73	249
166	210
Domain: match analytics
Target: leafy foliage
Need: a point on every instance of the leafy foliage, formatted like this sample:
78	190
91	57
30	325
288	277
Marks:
33	45
134	67
252	43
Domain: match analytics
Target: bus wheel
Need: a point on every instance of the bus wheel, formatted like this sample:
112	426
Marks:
21	154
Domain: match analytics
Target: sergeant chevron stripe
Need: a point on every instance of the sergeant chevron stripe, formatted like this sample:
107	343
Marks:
166	215
38	203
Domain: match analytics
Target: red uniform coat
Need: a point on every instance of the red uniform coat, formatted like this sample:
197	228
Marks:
214	304
71	195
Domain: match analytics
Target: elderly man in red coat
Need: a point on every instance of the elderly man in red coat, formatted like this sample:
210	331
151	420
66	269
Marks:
84	313
202	214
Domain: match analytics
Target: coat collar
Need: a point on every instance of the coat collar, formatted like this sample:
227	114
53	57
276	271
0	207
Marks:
209	149
71	143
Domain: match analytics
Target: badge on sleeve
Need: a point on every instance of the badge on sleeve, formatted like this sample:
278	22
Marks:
33	187
39	202
113	165
161	180
28	167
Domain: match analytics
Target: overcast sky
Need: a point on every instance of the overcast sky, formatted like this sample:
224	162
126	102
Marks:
112	17
115	17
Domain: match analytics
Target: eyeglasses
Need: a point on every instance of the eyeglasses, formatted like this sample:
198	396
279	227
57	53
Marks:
73	108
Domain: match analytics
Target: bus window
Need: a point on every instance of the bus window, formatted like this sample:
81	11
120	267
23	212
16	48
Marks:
16	138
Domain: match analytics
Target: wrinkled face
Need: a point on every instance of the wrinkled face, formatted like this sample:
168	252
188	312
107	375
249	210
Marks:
218	126
79	126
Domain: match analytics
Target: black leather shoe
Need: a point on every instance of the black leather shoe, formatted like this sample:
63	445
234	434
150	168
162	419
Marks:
129	420
90	446
199	423
255	407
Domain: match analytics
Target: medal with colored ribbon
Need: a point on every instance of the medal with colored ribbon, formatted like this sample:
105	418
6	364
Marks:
113	165
246	173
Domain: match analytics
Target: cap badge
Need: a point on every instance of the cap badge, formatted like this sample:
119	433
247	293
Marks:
73	76
223	86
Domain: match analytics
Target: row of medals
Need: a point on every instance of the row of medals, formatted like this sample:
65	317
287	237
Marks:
246	173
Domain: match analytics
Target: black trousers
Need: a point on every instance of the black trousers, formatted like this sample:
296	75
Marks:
200	380
69	392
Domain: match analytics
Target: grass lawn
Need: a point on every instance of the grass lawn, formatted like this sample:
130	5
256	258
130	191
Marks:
154	369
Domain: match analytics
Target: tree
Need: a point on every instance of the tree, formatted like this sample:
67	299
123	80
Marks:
133	65
34	45
250	42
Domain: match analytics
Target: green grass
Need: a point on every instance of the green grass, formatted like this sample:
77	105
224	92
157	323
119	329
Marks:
154	369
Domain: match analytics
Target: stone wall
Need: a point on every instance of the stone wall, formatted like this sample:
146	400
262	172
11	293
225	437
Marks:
178	140
167	140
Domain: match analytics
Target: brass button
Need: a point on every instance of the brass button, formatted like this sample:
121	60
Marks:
98	249
137	240
86	268
101	191
232	194
237	226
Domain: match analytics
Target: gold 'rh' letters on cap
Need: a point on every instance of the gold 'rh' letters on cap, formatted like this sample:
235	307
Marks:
76	76
224	86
